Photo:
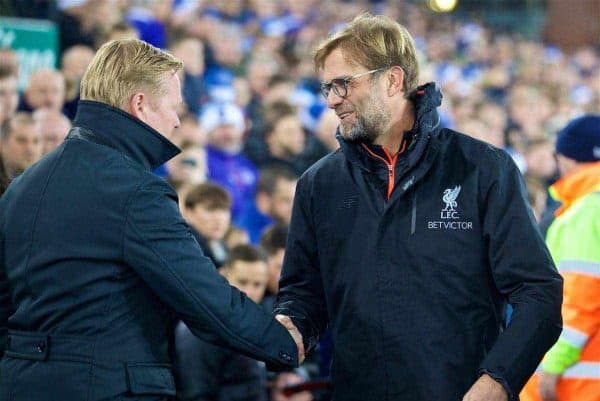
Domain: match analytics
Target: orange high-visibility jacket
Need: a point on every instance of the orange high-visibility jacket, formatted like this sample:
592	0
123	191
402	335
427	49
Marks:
574	241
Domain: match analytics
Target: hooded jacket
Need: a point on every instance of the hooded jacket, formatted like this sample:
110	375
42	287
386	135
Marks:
97	265
411	264
574	241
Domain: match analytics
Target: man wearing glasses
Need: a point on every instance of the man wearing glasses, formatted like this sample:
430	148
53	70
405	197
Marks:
409	241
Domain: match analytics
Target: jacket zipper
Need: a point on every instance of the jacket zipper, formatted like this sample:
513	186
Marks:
390	164
391	173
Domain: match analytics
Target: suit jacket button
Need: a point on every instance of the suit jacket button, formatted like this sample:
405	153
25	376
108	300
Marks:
41	347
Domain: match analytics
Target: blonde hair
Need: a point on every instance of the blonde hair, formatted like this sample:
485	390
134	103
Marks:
374	41
122	67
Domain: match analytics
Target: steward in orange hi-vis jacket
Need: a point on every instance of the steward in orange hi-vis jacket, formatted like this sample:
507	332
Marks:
570	371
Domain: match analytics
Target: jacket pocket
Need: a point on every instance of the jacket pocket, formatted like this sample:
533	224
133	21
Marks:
150	379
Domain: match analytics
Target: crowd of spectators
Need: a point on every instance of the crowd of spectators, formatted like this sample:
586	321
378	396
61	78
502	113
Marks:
253	119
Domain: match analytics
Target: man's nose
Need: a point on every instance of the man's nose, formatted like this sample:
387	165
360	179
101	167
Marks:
333	100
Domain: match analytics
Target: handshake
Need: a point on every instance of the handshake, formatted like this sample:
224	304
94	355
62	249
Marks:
294	332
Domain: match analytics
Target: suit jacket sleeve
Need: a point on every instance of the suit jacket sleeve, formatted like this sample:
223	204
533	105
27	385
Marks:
524	273
159	247
301	294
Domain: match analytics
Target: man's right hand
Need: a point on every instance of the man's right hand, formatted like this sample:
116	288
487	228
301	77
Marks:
294	332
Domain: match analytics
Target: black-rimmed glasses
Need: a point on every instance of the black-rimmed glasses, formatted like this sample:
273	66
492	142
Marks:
340	85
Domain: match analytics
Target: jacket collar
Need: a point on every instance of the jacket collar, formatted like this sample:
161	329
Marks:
125	133
574	186
426	99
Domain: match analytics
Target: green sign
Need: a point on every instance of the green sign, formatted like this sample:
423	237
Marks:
34	41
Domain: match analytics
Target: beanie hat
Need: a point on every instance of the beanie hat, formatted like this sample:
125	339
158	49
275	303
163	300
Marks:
580	139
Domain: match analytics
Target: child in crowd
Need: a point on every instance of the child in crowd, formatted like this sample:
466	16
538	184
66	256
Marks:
207	209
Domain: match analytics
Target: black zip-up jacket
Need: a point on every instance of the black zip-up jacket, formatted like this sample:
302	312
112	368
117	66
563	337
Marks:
96	266
414	287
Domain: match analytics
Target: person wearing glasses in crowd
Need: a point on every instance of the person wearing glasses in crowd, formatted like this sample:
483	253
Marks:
409	241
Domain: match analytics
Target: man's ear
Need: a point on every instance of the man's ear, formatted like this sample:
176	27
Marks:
137	105
395	81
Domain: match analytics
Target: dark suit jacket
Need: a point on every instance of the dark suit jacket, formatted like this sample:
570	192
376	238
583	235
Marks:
96	265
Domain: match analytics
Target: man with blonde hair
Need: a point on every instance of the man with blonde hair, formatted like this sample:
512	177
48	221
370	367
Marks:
409	241
96	262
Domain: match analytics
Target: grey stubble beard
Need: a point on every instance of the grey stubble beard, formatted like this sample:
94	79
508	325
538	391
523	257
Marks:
373	122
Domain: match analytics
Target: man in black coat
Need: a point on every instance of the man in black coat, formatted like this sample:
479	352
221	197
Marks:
409	241
96	262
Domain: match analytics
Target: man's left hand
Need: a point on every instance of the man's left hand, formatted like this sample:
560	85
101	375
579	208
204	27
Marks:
486	389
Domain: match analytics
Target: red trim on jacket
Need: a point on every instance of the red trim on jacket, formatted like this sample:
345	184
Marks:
390	163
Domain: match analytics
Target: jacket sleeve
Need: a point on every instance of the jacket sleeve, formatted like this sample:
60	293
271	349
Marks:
581	311
576	248
301	294
159	247
524	273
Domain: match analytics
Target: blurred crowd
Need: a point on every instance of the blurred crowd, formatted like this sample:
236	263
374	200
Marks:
254	121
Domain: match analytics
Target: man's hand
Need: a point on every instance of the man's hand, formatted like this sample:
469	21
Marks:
294	332
486	389
547	386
